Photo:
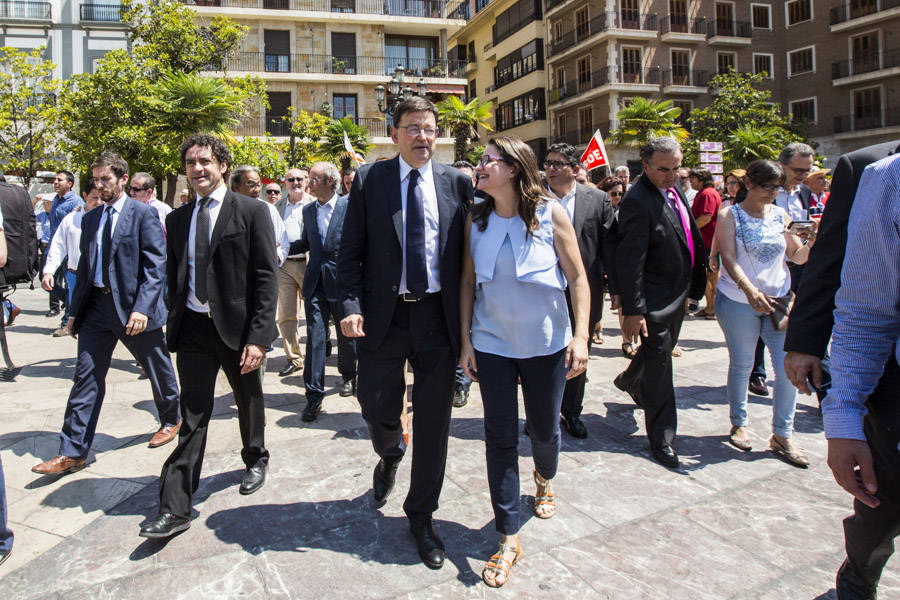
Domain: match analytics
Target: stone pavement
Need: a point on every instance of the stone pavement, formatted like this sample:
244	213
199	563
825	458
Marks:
728	524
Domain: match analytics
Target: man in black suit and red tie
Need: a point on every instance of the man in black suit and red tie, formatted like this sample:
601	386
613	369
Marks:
399	268
222	276
659	264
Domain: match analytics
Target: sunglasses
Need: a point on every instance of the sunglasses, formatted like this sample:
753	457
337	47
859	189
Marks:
273	191
616	194
293	179
135	190
555	164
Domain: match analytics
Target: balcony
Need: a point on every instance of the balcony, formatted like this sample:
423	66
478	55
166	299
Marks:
851	123
522	119
866	67
379	66
461	12
430	9
100	14
604	26
376	127
855	13
729	33
692	82
551	4
13	11
682	30
614	78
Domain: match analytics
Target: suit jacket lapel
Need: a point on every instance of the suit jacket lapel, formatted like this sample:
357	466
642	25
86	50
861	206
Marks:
396	200
225	213
581	209
90	228
445	202
337	216
674	220
311	223
123	224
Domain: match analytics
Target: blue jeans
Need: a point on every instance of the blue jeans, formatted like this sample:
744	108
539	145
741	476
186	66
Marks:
742	327
6	536
70	289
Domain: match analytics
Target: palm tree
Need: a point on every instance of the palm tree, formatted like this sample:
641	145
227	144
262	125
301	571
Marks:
750	142
645	118
463	120
333	144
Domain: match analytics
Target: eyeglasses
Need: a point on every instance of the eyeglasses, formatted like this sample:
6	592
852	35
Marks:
555	164
293	179
616	194
487	159
273	191
769	187
799	170
135	190
415	130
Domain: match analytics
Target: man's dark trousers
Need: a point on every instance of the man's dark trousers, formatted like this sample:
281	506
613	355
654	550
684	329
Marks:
201	352
417	333
100	331
573	394
319	311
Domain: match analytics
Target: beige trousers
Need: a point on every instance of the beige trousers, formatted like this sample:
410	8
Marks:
290	302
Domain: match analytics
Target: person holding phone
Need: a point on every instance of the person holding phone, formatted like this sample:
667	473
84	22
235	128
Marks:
755	242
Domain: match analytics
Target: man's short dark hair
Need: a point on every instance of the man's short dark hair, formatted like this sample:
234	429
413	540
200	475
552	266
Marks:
663	145
147	178
703	175
349	170
569	151
793	149
88	187
112	160
414	104
205	140
69	175
464	164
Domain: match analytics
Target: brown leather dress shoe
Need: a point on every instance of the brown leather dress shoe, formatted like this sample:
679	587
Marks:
164	435
59	465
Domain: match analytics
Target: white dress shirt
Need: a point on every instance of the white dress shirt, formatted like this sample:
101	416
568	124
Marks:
66	243
162	209
215	203
790	201
293	223
432	224
323	216
568	201
116	212
281	240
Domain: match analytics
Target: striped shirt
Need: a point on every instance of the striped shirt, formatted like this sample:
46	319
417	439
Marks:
867	306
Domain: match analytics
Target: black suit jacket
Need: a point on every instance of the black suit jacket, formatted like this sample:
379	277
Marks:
321	265
593	213
812	318
653	262
370	259
242	275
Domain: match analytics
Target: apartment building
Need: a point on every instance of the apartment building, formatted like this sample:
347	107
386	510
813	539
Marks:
75	34
502	47
328	56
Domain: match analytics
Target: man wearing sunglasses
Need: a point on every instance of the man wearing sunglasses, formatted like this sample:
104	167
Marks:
591	213
143	189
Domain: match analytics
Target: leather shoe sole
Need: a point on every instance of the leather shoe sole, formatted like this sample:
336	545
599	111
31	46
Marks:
165	435
311	412
429	547
75	465
153	530
757	385
383	479
254	478
290	369
665	456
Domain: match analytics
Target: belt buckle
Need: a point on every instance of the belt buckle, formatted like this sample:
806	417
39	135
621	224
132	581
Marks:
407	297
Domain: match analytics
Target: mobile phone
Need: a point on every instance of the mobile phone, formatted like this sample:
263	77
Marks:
798	226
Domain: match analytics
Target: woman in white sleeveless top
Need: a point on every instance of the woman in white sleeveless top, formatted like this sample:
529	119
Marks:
755	244
520	250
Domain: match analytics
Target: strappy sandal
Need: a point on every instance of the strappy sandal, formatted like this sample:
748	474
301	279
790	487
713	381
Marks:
543	498
598	337
499	565
628	350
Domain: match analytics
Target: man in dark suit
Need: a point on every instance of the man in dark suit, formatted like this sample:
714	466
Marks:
870	531
398	270
590	211
222	276
323	222
660	263
117	297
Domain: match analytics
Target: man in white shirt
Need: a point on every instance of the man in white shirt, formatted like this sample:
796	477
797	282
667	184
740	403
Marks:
797	161
247	181
143	189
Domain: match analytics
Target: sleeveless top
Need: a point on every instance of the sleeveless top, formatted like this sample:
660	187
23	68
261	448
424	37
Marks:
520	303
760	250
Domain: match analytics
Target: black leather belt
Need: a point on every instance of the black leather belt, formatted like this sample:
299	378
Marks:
102	290
408	297
296	258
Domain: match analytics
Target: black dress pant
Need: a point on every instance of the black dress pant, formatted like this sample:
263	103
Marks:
650	375
418	334
869	533
319	311
573	395
201	352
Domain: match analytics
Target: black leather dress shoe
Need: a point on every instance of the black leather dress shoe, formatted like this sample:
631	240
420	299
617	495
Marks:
430	546
254	478
757	385
289	369
312	410
348	388
164	525
619	382
665	455
849	586
574	425
383	478
52	312
460	398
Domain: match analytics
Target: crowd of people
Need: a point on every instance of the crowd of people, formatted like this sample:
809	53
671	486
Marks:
494	273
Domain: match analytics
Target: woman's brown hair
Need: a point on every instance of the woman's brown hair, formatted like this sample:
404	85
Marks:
527	184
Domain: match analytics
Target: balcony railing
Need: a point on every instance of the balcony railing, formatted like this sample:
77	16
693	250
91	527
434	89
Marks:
597	25
343	65
524	119
855	9
433	9
460	12
682	25
845	123
101	13
551	4
33	11
376	127
604	76
691	78
580	138
728	28
866	63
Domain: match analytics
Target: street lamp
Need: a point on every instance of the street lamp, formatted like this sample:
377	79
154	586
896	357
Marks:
388	97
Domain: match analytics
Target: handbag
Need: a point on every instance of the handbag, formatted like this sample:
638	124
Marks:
781	305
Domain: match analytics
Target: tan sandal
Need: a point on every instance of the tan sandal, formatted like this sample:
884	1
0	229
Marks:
543	498
499	565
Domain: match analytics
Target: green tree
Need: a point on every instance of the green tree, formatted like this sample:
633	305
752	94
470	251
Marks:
462	119
644	118
332	145
305	133
263	153
28	116
475	153
740	115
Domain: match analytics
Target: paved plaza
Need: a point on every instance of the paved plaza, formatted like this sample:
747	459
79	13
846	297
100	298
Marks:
728	524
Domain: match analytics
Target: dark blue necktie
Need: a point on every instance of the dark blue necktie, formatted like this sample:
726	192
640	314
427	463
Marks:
416	276
201	250
107	242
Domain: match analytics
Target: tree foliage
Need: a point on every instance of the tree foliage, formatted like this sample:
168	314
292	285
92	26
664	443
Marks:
332	145
644	118
28	132
266	154
306	130
462	120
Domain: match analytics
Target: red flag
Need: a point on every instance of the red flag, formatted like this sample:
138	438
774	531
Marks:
595	154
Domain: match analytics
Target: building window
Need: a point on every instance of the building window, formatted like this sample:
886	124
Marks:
415	54
762	63
865	54
586	121
861	8
681	67
801	61
798	11
470	53
581	23
558	31
473	90
561	126
515	18
761	15
867	108
631	65
686	106
278	51
521	62
804	110
584	73
725	18
726	62
278	108
343	53
560	78
678	16
523	109
345	106
631	14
